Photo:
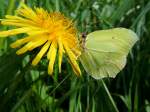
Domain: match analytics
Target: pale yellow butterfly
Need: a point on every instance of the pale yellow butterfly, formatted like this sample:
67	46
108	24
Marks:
104	52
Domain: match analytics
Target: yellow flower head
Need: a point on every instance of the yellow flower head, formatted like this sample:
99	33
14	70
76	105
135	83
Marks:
54	32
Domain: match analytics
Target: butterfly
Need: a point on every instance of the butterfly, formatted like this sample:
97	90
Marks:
104	52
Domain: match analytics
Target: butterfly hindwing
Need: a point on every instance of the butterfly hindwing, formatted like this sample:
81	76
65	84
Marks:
104	64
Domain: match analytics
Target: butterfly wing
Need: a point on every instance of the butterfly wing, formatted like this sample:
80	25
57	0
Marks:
100	65
119	39
106	51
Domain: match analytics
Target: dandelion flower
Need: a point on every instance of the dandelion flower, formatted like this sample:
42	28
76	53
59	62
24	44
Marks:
53	32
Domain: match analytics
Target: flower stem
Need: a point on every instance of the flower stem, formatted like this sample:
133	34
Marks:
109	96
11	6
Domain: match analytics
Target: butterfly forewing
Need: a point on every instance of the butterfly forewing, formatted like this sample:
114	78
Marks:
119	39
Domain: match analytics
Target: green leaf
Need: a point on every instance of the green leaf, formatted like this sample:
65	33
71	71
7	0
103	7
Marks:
9	66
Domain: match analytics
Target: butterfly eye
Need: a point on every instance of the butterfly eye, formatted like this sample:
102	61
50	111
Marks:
84	35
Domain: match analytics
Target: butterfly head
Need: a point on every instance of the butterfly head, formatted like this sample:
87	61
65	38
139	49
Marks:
84	35
83	39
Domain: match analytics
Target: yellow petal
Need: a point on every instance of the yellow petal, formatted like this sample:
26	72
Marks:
50	50
37	32
14	31
21	42
72	59
76	51
16	19
10	17
69	52
61	50
78	72
40	41
41	53
27	12
25	48
52	56
18	24
41	11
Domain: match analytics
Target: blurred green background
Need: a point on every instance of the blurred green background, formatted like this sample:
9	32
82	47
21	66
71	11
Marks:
24	88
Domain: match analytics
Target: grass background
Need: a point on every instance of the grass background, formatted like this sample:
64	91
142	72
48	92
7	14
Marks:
24	88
